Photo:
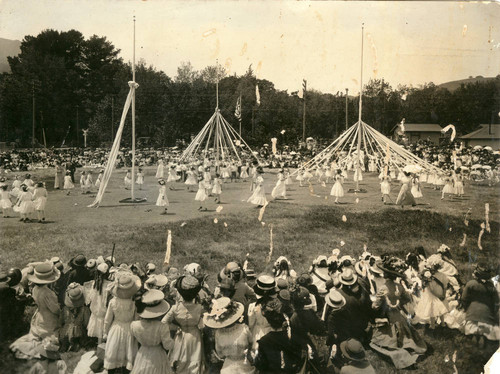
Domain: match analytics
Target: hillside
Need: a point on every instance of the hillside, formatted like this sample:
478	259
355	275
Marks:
7	48
453	85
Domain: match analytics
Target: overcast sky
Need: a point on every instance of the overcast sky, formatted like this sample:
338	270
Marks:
405	42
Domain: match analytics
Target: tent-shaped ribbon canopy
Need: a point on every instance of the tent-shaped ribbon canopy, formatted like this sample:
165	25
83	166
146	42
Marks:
219	138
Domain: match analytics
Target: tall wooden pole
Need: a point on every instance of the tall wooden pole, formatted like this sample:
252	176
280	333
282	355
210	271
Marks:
133	121
33	126
304	114
346	108
112	118
77	128
360	127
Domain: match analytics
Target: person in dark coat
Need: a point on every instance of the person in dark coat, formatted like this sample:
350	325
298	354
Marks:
277	353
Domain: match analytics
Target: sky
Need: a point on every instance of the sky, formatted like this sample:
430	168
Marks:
285	41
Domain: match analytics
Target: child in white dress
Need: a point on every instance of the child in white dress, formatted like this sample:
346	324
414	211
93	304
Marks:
5	202
24	204
217	188
201	195
162	199
127	180
191	179
337	188
385	187
280	189
68	183
140	178
259	194
99	179
83	184
89	182
416	189
40	200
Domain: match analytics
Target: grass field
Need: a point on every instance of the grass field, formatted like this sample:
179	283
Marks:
306	225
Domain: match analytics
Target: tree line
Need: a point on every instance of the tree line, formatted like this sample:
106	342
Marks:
70	83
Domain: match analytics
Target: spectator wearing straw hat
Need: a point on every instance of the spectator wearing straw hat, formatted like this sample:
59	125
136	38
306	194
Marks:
232	338
153	335
74	318
121	346
265	289
185	317
355	358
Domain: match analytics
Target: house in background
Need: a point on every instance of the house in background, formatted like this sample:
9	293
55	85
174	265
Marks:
423	131
486	135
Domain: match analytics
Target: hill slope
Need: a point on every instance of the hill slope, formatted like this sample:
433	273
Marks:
8	48
453	85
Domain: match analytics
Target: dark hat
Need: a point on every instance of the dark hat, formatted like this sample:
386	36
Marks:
265	285
353	350
301	297
226	284
304	279
284	295
74	297
79	261
282	284
260	170
250	273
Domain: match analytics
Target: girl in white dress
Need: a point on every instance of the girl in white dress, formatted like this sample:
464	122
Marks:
338	189
98	296
5	202
329	174
89	182
140	178
416	189
83	186
172	176
385	187
280	189
16	187
201	195
40	200
459	183
448	187
99	179
191	179
300	177
244	172
162	199
68	183
24	205
29	183
159	171
259	194
225	172
217	188
127	180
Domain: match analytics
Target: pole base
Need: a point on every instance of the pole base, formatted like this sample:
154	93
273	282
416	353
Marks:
359	190
137	200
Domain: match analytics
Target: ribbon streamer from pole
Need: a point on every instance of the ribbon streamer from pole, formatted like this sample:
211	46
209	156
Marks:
113	154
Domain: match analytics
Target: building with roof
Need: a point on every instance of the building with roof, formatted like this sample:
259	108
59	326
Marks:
486	135
423	131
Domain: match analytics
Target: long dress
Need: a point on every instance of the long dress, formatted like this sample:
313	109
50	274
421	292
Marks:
98	308
337	188
385	186
154	338
89	182
257	323
259	194
217	189
45	321
25	203
172	175
448	187
159	171
280	189
187	354
162	199
191	178
5	202
68	183
16	190
58	180
459	185
244	172
127	180
40	198
405	197
416	191
140	178
201	194
121	346
230	345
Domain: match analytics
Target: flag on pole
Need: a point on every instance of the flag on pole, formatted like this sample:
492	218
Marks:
303	89
257	95
166	261
237	111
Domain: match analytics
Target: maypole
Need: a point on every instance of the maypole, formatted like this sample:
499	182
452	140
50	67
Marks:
133	121
360	129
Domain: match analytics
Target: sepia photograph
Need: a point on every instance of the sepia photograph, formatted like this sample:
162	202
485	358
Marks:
249	187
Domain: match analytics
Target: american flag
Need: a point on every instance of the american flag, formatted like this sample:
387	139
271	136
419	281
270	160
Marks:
237	111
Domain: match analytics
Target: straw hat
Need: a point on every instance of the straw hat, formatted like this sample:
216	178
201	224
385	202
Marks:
265	285
353	350
44	273
335	299
250	273
74	297
127	285
224	313
157	280
156	306
348	277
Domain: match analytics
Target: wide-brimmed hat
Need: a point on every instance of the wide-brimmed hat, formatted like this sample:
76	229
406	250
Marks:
49	348
157	280
348	277
44	273
78	261
224	313
4	277
352	350
392	266
74	297
335	299
250	273
156	306
265	285
127	285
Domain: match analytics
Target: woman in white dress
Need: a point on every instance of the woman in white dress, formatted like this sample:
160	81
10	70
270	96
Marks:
127	180
259	194
162	199
405	196
416	189
140	178
68	183
5	202
24	205
160	171
280	189
201	194
217	188
89	182
459	183
83	184
338	189
99	179
191	179
385	187
58	181
40	200
244	172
